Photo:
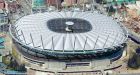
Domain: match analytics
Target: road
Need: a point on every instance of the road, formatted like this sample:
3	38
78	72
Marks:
130	74
134	38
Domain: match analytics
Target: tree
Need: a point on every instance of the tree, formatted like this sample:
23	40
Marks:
132	62
138	55
13	64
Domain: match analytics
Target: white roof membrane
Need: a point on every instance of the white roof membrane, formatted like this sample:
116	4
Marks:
105	32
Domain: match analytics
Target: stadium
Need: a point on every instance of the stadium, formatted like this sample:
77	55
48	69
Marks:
68	35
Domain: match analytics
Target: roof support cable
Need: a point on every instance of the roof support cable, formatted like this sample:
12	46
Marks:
17	33
115	39
106	42
96	42
85	44
15	27
42	42
32	40
60	15
52	44
74	43
63	44
122	38
22	35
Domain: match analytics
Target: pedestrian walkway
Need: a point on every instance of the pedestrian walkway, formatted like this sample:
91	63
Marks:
134	38
43	73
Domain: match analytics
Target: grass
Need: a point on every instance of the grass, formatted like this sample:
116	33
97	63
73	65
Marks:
14	53
5	60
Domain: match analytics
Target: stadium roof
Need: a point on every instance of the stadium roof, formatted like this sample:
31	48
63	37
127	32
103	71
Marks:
104	32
